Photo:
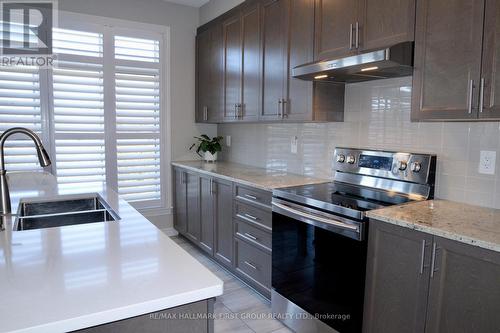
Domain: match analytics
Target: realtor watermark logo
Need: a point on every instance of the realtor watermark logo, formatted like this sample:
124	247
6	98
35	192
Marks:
26	32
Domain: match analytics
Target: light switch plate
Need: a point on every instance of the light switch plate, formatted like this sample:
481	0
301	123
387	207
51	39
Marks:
487	161
294	144
228	140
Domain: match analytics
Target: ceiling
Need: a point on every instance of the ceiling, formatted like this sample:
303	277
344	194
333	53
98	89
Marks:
191	3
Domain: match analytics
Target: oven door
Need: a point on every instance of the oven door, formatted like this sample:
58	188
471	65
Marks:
318	266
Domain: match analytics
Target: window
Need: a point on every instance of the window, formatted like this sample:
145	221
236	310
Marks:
99	111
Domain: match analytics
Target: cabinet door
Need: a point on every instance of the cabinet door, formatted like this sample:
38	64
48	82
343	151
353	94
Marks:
232	67
224	222
397	279
251	51
209	74
274	66
386	22
448	46
299	101
180	201
203	71
193	206
491	61
207	214
464	291
335	28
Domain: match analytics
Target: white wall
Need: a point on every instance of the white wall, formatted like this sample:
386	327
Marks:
214	8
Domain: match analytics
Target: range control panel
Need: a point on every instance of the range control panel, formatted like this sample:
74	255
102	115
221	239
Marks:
411	167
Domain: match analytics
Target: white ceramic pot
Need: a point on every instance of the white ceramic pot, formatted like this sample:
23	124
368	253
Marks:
209	157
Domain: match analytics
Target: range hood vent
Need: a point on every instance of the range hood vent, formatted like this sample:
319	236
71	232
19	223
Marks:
395	61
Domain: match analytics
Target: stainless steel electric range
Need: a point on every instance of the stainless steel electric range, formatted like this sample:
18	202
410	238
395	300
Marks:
320	231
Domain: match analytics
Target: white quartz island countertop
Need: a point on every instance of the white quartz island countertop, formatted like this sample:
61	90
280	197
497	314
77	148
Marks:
265	179
68	278
468	224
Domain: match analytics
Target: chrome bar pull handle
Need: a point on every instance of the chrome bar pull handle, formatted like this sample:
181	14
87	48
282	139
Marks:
481	96
435	248
205	113
251	265
357	36
284	109
471	96
251	217
253	197
252	237
422	259
280	108
350	36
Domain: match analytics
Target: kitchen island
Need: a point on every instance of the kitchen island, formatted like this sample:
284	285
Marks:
81	276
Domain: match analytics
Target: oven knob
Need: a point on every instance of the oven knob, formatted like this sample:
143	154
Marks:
341	158
351	159
402	165
416	167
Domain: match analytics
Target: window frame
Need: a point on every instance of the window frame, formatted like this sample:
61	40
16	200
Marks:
109	28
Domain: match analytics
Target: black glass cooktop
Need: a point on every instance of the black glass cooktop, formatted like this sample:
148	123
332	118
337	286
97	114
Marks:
340	198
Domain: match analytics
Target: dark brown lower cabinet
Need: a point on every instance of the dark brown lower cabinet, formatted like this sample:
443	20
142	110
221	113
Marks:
223	247
464	293
178	320
229	221
207	214
397	280
417	282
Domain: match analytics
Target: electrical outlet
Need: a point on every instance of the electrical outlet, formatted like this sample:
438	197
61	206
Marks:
228	140
294	144
487	161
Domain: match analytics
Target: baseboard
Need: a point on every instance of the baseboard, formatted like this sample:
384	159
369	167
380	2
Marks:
170	232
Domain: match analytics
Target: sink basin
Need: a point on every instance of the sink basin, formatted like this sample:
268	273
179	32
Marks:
57	213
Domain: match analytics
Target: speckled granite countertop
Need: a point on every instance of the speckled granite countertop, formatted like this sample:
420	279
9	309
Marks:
469	224
265	179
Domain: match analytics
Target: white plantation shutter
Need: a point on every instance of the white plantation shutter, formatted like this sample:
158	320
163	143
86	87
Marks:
137	90
98	110
20	106
78	90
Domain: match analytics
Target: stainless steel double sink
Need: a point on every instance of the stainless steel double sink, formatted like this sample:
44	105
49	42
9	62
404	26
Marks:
63	212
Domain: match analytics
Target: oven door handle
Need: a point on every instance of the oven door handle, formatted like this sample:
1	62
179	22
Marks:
314	217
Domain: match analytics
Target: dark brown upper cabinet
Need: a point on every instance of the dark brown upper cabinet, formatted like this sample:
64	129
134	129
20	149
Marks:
448	82
489	101
209	75
347	27
242	59
261	42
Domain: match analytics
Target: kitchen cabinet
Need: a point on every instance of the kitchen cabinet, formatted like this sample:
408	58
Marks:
180	201
464	293
336	28
232	67
418	282
274	57
223	247
242	58
397	279
207	213
193	206
232	223
448	47
209	75
347	27
491	62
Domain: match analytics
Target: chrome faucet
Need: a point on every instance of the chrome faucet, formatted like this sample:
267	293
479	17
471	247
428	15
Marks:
43	157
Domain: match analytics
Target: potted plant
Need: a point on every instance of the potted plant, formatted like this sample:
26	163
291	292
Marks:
209	147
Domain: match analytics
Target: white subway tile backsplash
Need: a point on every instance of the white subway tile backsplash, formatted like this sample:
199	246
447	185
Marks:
377	115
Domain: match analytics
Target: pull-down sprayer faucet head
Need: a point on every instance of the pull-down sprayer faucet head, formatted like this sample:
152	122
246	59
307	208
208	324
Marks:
43	158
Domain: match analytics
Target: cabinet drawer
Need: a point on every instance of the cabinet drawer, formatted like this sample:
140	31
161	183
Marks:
254	235
253	263
251	214
254	196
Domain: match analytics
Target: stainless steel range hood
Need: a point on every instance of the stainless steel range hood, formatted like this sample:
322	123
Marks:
395	61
